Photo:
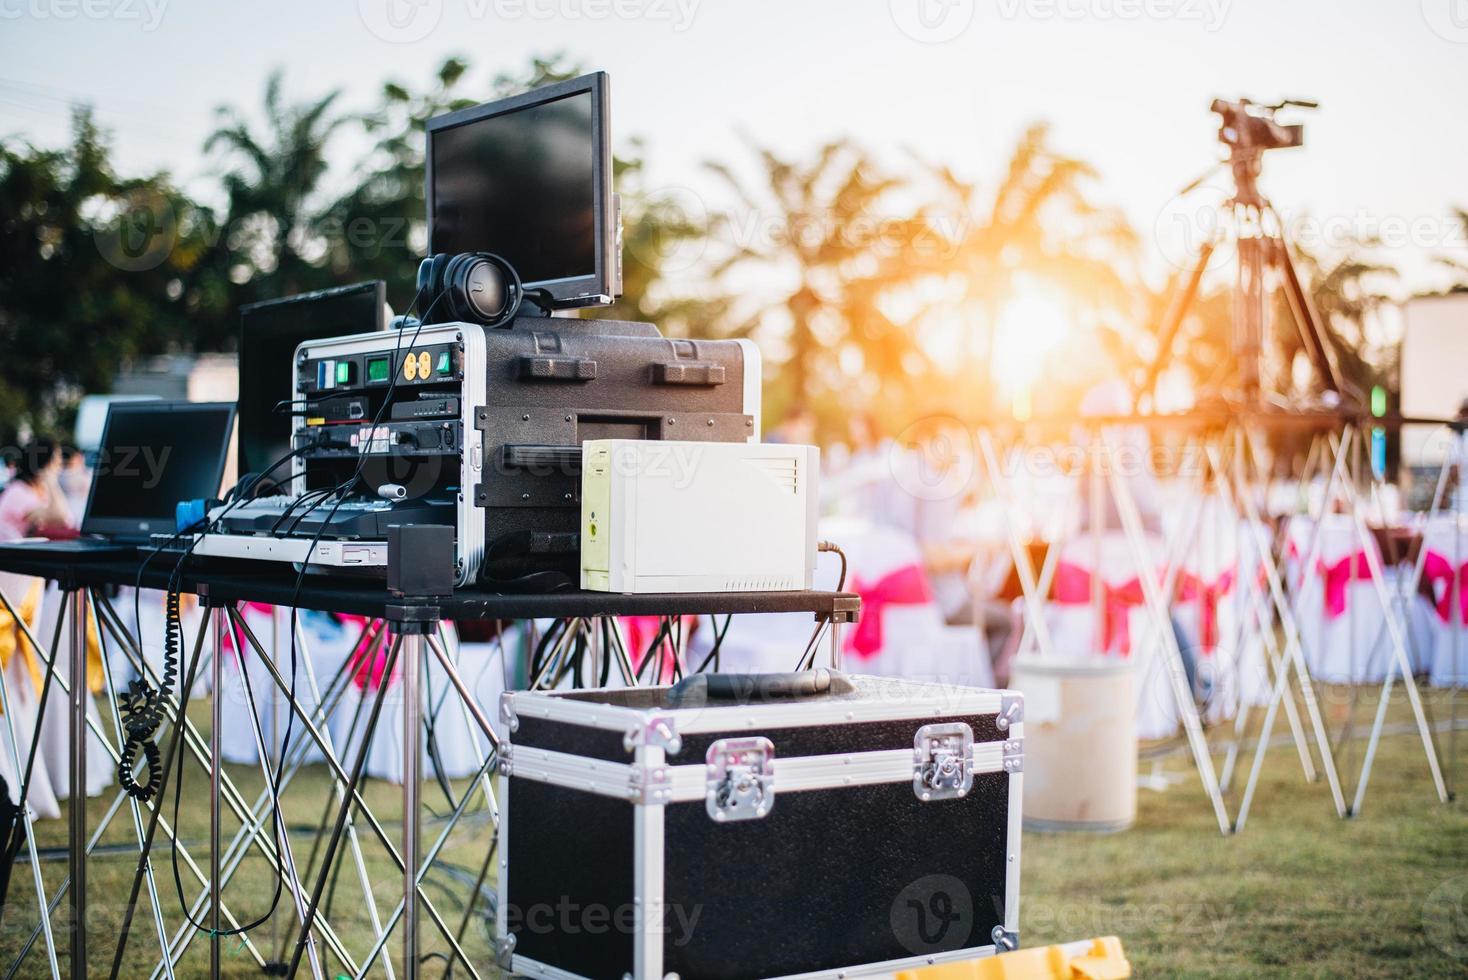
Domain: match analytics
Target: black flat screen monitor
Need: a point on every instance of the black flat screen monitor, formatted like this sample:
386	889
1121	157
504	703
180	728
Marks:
529	178
153	455
270	332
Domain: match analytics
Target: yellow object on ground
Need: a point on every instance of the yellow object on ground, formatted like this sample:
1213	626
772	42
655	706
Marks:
1092	959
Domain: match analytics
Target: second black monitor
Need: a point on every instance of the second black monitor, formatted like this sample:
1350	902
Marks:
529	178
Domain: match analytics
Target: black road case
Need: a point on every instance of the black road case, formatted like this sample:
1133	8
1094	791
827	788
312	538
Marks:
862	830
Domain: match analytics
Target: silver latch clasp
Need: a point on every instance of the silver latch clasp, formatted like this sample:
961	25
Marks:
942	767
741	778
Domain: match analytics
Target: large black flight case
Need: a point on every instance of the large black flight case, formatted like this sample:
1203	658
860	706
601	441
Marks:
803	825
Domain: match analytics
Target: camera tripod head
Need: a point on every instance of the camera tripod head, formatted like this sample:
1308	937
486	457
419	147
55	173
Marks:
1248	129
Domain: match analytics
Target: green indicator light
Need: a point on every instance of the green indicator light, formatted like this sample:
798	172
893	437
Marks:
445	363
378	370
343	372
1378	401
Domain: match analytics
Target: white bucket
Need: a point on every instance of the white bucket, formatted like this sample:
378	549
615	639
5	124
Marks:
1080	737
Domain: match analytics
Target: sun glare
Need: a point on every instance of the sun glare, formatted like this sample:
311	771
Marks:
1031	326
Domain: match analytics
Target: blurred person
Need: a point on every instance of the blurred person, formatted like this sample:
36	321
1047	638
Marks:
75	480
31	503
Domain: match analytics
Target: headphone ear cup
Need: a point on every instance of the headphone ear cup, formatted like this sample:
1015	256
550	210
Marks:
431	283
453	286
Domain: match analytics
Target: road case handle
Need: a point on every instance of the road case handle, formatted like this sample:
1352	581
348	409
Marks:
753	688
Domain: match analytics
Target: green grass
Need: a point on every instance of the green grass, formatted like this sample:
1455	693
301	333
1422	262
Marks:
1299	893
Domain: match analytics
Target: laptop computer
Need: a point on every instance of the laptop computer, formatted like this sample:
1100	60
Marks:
153	454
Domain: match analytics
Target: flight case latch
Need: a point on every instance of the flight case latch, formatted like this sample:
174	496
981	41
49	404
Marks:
741	778
942	767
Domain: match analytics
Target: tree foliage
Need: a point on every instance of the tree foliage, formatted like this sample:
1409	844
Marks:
870	286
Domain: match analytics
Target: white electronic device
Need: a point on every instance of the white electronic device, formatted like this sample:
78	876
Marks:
666	516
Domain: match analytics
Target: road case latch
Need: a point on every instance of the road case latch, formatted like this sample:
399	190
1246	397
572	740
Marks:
942	766
741	778
1011	710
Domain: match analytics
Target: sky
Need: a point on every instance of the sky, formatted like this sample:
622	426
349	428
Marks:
1126	85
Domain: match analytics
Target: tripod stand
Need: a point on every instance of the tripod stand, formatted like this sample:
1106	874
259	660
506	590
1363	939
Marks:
1266	267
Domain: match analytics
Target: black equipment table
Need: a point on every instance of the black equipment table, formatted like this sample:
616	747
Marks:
222	586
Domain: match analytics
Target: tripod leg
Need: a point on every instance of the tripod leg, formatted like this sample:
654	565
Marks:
1172	320
1307	318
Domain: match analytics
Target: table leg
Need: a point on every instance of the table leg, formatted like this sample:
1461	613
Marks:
216	701
77	807
412	665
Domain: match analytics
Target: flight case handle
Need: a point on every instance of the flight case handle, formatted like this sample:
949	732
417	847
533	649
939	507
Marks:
755	688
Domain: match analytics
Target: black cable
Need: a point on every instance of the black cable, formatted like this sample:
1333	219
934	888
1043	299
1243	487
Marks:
831	546
606	648
142	707
713	654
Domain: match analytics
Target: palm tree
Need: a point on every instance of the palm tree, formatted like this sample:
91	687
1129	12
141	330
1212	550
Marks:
271	186
1039	225
817	228
1458	264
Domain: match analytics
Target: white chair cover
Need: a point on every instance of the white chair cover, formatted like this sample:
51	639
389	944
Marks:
1446	541
1342	624
24	702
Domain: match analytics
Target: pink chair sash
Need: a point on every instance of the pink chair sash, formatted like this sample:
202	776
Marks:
1437	569
1191	588
1073	588
639	631
1338	576
905	586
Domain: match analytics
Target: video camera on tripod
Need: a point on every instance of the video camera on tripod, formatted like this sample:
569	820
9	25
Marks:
1251	127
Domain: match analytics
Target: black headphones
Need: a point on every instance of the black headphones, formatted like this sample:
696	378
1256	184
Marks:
477	287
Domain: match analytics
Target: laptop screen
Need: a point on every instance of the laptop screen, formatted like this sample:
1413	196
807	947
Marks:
153	455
